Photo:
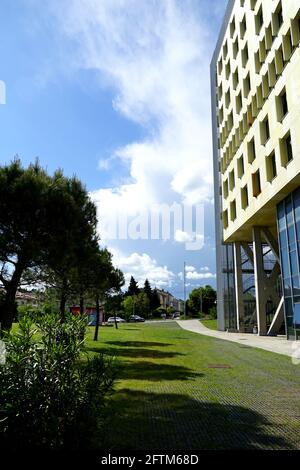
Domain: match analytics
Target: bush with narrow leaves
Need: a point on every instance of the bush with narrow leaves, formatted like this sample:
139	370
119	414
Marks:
49	396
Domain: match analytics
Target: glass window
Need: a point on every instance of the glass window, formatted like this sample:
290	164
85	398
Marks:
285	264
297	315
296	201
281	217
294	263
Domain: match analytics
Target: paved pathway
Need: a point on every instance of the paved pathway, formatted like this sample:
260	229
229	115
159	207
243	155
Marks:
278	344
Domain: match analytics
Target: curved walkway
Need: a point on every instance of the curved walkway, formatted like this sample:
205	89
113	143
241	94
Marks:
277	344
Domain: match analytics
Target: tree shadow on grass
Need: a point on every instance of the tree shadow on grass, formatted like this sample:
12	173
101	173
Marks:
163	421
135	353
137	344
144	370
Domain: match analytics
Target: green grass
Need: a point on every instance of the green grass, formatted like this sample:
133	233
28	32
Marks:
178	390
211	324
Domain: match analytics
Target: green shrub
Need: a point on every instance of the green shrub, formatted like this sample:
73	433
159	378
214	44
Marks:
49	397
158	312
213	312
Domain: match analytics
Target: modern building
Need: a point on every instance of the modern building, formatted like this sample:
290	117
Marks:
255	84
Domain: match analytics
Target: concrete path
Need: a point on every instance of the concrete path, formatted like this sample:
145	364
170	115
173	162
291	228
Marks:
278	344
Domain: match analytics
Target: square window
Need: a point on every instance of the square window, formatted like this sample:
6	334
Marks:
279	60
225	189
225	50
227	99
232	211
240	167
264	131
286	150
243	27
281	106
245	56
268	37
256	186
225	219
253	4
232	28
244	197
277	20
295	30
227	70
257	62
235	79
220	66
246	86
287	46
231	180
251	151
259	20
272	74
235	48
271	168
259	97
238	102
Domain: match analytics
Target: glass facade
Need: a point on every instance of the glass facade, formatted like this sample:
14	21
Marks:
249	292
229	287
288	219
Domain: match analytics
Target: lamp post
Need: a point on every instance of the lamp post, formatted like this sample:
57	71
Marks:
184	291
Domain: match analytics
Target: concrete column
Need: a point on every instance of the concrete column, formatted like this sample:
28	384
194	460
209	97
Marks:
260	282
239	297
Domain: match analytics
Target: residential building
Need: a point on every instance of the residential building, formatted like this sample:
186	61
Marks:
168	300
255	84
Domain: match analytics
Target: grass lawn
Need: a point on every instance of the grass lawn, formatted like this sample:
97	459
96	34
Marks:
211	324
179	390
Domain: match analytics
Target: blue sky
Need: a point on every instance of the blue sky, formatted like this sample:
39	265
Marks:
117	92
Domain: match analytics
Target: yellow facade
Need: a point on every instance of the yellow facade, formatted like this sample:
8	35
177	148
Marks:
258	111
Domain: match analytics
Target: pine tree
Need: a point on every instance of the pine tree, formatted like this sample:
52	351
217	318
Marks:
147	290
133	288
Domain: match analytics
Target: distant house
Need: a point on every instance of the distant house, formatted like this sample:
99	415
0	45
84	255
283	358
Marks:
90	311
168	300
27	298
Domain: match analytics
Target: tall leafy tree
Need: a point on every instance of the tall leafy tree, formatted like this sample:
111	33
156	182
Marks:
201	299
46	221
23	201
74	238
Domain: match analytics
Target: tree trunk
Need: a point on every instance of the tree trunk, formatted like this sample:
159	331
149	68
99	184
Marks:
97	318
81	305
8	308
62	307
116	323
63	301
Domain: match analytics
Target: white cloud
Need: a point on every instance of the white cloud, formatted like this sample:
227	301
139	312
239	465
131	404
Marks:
192	274
182	237
190	269
142	267
154	55
197	276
